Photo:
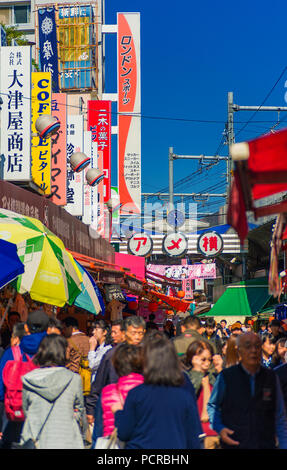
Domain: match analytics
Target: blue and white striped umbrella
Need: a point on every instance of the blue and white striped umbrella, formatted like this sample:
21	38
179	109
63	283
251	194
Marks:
90	298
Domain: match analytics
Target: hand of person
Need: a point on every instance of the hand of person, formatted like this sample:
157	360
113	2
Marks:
90	419
116	407
205	381
224	434
93	343
217	362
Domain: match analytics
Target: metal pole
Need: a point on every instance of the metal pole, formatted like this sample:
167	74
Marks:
170	176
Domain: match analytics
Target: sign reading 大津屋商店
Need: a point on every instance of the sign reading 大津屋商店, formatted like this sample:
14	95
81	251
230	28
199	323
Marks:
15	86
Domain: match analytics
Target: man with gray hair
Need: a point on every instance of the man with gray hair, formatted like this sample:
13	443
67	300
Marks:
246	407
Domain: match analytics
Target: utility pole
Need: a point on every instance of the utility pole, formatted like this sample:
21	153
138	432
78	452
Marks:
230	137
170	175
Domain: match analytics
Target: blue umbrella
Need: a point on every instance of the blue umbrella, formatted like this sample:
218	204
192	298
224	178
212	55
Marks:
90	298
10	264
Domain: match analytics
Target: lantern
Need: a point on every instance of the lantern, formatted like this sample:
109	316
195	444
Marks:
94	176
79	161
152	306
181	294
132	305
47	125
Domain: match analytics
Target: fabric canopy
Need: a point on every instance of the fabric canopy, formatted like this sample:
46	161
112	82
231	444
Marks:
245	298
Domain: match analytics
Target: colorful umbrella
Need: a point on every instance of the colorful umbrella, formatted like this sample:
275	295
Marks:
90	298
10	264
51	275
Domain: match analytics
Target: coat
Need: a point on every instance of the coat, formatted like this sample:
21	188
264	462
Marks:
59	386
78	346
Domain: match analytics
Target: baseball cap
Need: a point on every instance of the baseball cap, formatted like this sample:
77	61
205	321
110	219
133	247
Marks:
37	321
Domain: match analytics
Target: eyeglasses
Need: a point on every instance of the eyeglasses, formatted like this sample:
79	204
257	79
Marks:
204	359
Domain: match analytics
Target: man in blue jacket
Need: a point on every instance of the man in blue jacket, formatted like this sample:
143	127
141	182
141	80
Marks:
36	329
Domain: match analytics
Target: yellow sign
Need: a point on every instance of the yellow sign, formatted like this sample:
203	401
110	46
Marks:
41	148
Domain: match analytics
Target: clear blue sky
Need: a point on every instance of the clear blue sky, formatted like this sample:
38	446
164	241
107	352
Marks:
192	54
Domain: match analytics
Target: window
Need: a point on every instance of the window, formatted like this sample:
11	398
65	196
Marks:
5	16
22	14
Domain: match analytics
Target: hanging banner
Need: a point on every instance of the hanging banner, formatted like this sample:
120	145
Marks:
41	148
59	151
75	143
15	85
48	45
129	110
99	123
87	199
190	271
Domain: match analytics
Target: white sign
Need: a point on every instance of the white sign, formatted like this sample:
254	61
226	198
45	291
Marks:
75	143
15	86
210	244
140	244
174	244
87	200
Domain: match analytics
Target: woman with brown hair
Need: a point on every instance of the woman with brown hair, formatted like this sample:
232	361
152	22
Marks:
161	413
231	355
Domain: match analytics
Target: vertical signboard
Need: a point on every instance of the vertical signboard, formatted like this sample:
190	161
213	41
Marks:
41	148
15	85
99	123
87	200
59	151
75	143
129	109
48	45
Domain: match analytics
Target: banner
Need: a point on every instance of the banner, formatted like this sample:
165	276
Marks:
87	190
59	151
129	109
75	143
190	271
41	148
99	123
15	85
48	45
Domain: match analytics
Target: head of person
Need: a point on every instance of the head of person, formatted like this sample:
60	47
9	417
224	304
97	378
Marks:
268	344
117	331
191	323
223	323
263	326
134	329
52	351
54	326
17	333
280	350
231	354
161	365
102	332
210	326
199	355
275	327
70	325
249	348
128	359
37	322
13	318
236	329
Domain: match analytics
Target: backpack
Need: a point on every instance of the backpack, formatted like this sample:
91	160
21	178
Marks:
12	378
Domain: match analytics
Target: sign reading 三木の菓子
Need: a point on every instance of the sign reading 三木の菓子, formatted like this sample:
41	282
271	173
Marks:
15	86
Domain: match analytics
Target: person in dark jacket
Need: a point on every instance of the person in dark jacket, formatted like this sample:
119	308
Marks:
246	407
211	335
36	329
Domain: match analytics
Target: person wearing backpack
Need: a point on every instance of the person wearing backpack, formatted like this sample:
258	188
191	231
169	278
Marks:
36	329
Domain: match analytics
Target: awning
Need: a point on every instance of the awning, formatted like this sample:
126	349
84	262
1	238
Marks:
245	298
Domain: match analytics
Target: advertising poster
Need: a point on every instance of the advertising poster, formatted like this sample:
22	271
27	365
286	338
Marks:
75	143
59	151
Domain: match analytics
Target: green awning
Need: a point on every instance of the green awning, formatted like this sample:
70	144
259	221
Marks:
245	298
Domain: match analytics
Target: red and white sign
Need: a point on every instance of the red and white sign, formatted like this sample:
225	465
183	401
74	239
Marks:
129	111
175	244
99	123
210	244
190	271
140	244
59	151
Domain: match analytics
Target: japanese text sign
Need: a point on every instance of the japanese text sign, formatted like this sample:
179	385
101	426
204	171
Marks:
129	109
210	243
15	85
140	244
189	271
175	244
99	123
41	148
48	45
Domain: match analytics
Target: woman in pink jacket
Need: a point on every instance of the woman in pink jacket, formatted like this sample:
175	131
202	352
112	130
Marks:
127	361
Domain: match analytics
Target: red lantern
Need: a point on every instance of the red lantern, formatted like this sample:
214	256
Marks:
132	305
152	306
170	312
181	294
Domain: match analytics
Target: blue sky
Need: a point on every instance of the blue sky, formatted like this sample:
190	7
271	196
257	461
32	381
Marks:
192	55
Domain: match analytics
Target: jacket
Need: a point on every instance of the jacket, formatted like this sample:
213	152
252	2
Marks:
182	342
29	345
114	394
78	346
215	341
62	389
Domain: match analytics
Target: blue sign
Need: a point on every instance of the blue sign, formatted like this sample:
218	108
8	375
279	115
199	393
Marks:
48	45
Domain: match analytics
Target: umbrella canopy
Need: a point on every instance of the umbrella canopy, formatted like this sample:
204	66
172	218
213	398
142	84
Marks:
51	275
10	264
90	298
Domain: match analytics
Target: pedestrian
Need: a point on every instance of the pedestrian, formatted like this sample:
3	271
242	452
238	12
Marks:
231	356
246	407
199	357
189	333
263	328
280	353
127	361
55	326
236	328
161	413
212	336
276	329
225	330
36	329
78	343
100	343
53	400
150	324
17	334
168	329
268	348
12	319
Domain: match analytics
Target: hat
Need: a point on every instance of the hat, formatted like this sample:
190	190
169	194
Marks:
236	326
37	321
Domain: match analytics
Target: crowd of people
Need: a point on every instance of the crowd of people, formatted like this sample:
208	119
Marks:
194	385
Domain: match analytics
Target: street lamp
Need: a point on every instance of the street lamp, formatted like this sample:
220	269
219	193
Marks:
47	125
